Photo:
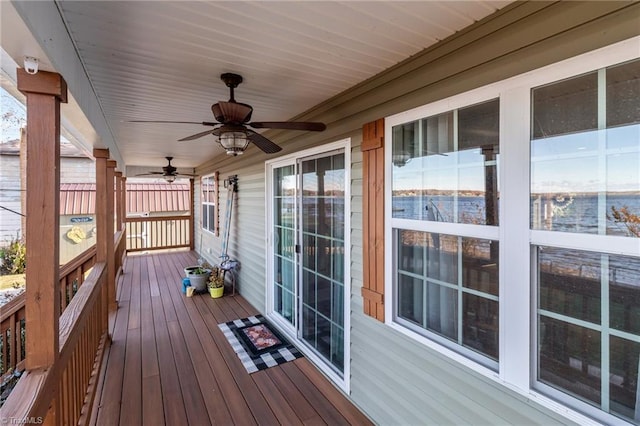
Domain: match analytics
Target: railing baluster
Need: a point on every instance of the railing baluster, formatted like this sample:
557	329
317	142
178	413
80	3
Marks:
160	232
11	359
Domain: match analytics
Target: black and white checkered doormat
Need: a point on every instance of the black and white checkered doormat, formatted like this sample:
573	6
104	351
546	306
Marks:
257	344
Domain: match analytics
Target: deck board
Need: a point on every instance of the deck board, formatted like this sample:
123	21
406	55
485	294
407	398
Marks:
169	363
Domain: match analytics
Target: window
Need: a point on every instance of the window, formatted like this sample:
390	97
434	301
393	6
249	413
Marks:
585	168
585	179
589	327
444	192
512	226
444	166
210	203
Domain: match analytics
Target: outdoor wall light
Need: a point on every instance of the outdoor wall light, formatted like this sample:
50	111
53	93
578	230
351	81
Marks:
30	64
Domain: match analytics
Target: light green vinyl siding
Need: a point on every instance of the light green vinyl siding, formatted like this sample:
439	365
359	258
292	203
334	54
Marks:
395	379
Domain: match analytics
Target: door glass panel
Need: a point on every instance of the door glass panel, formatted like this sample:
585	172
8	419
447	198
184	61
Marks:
322	223
284	190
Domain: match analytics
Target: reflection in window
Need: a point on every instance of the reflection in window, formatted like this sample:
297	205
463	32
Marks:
589	327
585	153
284	207
445	166
210	203
448	286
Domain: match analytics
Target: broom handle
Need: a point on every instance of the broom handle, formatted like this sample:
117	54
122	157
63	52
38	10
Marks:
227	220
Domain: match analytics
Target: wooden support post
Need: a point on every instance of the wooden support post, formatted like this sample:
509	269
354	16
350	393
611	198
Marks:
111	265
123	200
192	230
44	92
101	156
118	201
123	209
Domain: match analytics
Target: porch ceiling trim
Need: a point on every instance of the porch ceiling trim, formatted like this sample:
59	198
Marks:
40	24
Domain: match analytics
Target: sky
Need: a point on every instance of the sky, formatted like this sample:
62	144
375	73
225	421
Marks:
595	161
13	115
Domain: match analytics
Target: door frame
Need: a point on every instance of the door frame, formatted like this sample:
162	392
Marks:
343	382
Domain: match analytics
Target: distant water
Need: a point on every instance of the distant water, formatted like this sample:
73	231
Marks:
565	213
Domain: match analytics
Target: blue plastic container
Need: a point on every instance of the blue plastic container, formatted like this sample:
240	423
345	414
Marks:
185	283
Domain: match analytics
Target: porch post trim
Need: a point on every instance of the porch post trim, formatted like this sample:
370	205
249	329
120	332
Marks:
44	92
118	201
101	156
111	265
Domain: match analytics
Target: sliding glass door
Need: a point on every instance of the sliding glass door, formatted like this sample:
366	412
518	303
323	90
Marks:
322	267
307	275
284	237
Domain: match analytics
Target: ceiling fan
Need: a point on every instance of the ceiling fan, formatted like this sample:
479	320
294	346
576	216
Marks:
232	119
169	173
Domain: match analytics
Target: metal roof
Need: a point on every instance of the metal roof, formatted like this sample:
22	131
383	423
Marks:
158	197
77	198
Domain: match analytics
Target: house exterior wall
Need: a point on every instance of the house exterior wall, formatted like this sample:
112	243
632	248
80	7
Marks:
395	379
72	170
10	199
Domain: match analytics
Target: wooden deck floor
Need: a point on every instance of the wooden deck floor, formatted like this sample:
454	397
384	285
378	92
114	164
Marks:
169	364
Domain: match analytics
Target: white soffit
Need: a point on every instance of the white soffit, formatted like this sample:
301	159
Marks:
162	60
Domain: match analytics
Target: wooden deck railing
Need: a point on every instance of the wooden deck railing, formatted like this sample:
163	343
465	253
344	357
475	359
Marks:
12	317
65	393
72	275
12	320
120	250
156	233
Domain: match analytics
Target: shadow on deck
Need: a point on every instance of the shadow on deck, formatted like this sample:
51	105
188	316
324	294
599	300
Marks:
169	363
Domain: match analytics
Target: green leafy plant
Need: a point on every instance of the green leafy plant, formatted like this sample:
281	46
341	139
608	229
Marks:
199	271
13	258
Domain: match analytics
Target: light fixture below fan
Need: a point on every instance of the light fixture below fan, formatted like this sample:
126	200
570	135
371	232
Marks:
234	142
170	178
400	159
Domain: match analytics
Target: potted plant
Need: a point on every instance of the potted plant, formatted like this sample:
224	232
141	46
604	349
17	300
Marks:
216	283
198	277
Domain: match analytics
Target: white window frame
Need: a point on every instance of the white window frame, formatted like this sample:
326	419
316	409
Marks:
216	208
517	293
344	381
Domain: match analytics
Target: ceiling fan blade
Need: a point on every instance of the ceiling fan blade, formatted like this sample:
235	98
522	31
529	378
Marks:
150	174
289	125
185	174
231	112
263	143
196	136
204	123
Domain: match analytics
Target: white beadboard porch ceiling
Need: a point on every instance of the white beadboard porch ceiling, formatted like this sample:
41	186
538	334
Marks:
162	60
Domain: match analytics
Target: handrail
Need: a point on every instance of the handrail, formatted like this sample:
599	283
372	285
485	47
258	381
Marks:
81	338
158	233
12	326
72	274
155	218
11	307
